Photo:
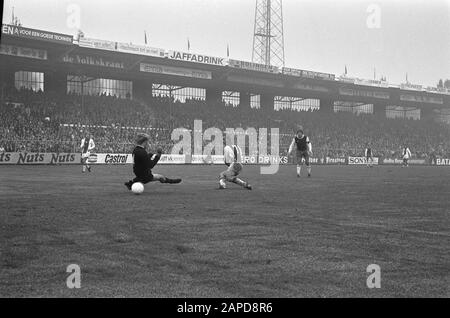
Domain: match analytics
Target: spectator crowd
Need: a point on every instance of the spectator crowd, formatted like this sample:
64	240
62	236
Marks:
44	122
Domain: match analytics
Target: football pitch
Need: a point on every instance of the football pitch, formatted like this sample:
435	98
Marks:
288	237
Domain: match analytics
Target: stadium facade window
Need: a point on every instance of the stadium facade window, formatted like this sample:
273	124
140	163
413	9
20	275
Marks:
255	101
353	107
296	103
231	98
402	112
442	116
99	86
179	93
29	80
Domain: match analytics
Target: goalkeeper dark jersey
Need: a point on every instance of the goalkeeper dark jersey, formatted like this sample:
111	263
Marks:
143	161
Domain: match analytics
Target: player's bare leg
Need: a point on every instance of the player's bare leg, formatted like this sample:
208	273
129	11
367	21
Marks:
242	183
299	165
301	160
405	162
223	178
83	163
308	167
226	176
222	183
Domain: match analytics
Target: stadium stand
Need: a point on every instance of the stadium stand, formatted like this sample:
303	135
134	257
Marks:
43	122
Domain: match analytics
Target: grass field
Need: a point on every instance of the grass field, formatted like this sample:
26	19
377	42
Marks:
288	237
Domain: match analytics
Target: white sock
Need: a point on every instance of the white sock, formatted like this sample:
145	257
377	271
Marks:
299	170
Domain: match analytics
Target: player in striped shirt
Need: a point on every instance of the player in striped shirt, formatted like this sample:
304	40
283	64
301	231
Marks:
87	145
233	159
406	155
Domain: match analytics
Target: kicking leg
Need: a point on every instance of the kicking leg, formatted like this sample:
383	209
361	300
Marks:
230	175
163	179
224	177
242	183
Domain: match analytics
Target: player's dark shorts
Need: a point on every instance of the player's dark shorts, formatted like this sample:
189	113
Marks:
143	177
301	155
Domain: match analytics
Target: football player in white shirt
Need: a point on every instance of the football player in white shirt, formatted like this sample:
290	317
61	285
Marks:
87	145
233	159
406	155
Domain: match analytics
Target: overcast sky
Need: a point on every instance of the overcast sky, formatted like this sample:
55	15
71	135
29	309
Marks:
320	35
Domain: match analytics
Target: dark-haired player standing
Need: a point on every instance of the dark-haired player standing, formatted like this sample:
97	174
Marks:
369	157
144	163
304	150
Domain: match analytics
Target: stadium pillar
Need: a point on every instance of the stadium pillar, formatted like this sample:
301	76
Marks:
379	110
7	77
142	90
213	95
326	105
267	101
426	112
55	82
244	99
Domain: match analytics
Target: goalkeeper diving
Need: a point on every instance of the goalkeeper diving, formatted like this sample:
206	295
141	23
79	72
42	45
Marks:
144	163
